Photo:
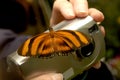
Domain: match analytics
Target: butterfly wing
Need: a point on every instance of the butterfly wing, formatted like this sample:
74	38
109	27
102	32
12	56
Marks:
30	46
61	41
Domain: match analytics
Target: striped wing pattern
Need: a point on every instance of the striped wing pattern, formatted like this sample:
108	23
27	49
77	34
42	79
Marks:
61	41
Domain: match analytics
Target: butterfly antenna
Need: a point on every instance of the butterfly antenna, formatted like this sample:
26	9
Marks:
51	32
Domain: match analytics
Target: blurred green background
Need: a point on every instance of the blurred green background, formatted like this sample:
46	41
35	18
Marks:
111	11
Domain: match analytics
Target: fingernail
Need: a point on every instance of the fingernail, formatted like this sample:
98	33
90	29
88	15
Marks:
81	11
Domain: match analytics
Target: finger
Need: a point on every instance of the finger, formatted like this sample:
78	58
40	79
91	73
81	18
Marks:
97	65
48	76
62	9
57	76
66	9
96	14
102	29
80	7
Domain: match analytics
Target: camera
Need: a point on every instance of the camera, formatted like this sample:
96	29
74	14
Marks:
69	65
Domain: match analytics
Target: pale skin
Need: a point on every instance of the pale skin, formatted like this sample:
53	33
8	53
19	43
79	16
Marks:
66	10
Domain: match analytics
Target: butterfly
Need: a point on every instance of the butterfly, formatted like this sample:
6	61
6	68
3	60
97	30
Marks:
48	43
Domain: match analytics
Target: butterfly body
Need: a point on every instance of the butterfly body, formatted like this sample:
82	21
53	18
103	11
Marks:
61	41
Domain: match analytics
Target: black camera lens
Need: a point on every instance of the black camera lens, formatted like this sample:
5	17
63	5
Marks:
85	51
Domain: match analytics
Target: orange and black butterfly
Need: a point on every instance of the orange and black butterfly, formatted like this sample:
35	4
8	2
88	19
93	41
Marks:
61	42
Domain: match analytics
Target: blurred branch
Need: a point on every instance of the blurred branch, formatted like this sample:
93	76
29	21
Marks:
45	6
42	11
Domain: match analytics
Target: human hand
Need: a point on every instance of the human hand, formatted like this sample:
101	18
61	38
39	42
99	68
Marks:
46	76
64	9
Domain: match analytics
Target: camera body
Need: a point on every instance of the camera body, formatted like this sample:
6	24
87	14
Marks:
68	65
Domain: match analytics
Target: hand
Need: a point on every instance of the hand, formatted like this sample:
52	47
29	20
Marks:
64	9
47	76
